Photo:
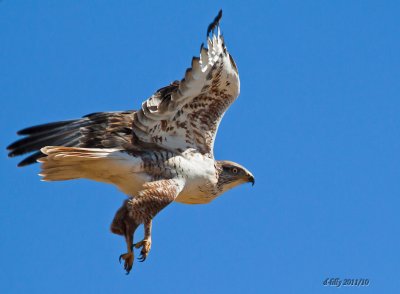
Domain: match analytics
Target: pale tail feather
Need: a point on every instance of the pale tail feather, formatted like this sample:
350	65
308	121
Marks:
67	163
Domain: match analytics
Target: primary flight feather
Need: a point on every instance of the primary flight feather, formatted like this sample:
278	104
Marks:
161	153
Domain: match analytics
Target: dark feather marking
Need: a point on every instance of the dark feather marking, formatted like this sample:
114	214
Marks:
233	63
43	127
215	23
29	144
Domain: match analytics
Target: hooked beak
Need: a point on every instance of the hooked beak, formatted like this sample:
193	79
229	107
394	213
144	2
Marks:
251	179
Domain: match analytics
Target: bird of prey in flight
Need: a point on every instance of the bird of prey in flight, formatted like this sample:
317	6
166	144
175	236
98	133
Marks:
158	154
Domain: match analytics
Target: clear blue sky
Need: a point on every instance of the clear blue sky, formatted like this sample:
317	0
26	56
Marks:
317	123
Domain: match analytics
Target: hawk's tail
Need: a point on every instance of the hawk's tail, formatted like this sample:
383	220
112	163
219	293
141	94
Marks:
68	163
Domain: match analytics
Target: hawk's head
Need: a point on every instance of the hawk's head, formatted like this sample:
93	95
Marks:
231	174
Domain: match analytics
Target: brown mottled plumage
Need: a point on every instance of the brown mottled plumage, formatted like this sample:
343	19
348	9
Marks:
161	153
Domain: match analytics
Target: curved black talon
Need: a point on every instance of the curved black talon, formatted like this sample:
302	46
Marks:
128	261
127	268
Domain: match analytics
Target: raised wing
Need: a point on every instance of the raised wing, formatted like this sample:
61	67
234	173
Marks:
97	130
183	115
187	113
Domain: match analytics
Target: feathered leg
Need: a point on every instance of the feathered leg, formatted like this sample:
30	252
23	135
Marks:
141	209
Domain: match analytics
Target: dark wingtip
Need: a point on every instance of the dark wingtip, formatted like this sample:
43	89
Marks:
21	164
43	127
23	132
12	147
32	159
215	23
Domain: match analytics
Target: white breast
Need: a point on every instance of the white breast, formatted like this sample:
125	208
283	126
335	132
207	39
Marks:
200	174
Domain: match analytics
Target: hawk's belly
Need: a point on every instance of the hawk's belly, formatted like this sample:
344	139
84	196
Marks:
197	170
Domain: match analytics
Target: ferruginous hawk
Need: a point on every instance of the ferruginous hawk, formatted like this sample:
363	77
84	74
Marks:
158	154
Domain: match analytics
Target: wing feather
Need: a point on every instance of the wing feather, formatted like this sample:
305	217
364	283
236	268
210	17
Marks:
186	114
183	115
96	130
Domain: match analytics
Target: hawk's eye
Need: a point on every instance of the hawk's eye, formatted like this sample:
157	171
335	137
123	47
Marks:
234	170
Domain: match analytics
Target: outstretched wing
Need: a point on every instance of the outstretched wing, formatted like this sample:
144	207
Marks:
183	115
97	130
187	113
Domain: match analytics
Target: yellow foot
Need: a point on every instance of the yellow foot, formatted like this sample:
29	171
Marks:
146	245
128	258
